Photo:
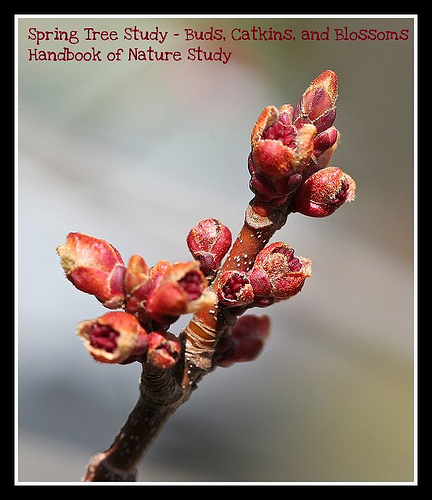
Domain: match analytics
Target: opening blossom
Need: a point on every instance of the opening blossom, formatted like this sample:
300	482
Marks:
278	274
94	266
114	337
180	289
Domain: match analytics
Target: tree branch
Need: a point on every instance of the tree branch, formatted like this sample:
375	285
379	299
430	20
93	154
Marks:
163	391
288	164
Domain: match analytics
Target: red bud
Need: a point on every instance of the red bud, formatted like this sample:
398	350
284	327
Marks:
278	148
208	242
94	266
245	340
137	286
317	105
178	289
323	192
114	337
277	273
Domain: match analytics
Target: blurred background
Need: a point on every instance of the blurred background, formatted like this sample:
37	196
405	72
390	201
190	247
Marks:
137	153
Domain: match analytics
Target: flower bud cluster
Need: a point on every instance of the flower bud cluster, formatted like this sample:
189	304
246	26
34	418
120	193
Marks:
288	163
151	298
290	151
277	274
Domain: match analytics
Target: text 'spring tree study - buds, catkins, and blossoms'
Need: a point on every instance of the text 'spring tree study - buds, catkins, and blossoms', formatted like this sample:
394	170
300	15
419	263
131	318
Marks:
291	148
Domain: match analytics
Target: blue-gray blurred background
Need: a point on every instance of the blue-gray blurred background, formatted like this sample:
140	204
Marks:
137	153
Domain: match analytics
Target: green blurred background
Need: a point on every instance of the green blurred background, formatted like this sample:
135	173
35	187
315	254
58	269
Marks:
137	153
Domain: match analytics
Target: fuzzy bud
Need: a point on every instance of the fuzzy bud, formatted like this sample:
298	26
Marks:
244	341
278	147
325	140
208	242
317	105
178	288
323	192
278	274
94	266
164	349
115	337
